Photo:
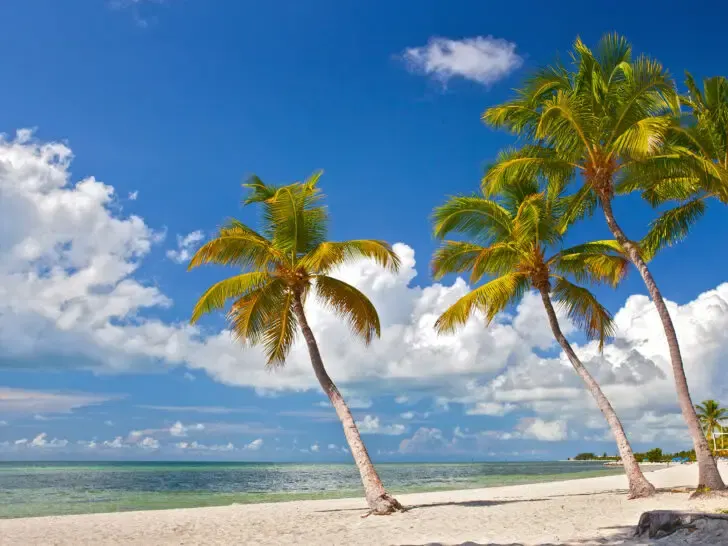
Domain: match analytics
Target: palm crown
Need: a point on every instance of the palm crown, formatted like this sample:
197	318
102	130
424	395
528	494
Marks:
510	240
711	415
596	120
281	264
692	166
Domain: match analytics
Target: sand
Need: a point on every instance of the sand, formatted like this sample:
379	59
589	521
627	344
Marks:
576	512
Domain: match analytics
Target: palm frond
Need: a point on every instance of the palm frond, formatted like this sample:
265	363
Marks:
671	227
596	263
518	166
473	216
582	307
350	304
252	314
280	332
329	255
235	287
489	298
299	221
236	245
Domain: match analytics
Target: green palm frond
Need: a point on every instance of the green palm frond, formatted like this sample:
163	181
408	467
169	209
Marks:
516	166
489	298
454	257
299	220
592	268
259	191
329	255
577	206
235	287
280	331
582	307
350	304
672	227
643	138
474	216
236	245
251	315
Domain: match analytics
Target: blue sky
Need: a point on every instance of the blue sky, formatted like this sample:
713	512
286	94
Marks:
172	103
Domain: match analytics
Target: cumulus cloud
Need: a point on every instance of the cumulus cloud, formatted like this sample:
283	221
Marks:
424	440
68	296
186	246
196	446
178	429
482	59
371	425
149	443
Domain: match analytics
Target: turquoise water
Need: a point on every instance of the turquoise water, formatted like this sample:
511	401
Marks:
40	489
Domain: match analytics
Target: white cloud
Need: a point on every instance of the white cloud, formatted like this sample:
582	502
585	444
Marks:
21	442
196	446
186	245
255	445
482	59
41	441
133	195
149	443
315	448
178	429
333	447
371	425
407	415
116	443
109	423
23	401
68	297
424	440
538	429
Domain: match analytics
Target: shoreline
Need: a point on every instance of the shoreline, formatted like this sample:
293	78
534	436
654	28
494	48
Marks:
584	511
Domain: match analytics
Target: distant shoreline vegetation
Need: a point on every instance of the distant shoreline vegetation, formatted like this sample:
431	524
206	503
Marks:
655	455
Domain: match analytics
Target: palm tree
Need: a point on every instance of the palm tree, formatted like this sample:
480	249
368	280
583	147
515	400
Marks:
281	265
691	168
512	237
591	124
711	414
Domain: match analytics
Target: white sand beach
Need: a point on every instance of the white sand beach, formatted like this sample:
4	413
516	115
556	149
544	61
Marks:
577	512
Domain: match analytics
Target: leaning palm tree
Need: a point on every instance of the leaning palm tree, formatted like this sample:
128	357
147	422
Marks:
711	416
281	266
512	241
590	124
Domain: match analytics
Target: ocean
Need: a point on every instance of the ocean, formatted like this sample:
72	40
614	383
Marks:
41	489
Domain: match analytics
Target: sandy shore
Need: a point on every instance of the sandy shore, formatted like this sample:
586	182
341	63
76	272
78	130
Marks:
583	512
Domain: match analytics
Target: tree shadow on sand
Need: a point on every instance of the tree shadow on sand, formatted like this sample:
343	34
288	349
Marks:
468	504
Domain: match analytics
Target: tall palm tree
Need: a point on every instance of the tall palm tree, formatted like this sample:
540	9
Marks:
281	266
512	240
590	124
711	415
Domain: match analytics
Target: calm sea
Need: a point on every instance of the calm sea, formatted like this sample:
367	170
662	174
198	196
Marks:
39	489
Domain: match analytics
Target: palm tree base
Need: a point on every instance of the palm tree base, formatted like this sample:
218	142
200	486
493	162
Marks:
641	490
703	492
385	505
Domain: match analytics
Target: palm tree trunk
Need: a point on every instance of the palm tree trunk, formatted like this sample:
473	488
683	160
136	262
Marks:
708	474
380	502
638	484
